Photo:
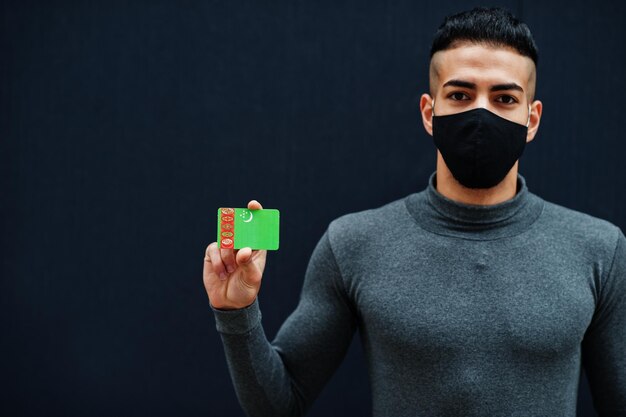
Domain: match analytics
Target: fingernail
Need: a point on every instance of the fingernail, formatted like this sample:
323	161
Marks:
223	276
230	269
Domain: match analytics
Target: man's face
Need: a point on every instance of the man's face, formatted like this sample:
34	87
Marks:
473	75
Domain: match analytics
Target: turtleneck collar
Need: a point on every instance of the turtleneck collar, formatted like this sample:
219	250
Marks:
439	214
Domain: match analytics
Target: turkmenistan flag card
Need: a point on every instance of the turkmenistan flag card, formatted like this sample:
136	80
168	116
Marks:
240	228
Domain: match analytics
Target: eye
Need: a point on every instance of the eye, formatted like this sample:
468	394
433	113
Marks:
506	99
458	96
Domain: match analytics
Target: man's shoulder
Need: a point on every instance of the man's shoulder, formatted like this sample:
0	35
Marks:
361	227
579	226
576	220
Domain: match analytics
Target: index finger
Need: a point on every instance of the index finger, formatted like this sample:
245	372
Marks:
254	205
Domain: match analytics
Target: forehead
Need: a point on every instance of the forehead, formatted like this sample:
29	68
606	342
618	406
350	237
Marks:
482	63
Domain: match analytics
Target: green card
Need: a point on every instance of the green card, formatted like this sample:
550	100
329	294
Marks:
240	228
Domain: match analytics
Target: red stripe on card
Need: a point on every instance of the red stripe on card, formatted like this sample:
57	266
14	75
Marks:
227	229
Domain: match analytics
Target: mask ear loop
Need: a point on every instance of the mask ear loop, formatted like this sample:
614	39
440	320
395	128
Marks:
433	106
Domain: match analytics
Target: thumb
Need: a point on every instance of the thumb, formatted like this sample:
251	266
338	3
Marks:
251	264
244	257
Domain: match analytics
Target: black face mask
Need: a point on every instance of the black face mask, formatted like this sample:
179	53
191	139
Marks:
478	146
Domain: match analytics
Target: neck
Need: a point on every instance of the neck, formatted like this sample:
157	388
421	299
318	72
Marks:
449	187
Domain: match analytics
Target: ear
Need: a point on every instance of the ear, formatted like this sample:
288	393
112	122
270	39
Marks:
536	109
426	108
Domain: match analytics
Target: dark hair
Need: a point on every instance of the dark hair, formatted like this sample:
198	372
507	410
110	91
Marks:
495	26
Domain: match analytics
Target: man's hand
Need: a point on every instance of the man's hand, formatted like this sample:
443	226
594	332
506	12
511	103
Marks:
232	278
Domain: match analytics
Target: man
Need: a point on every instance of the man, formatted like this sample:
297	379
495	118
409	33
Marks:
473	297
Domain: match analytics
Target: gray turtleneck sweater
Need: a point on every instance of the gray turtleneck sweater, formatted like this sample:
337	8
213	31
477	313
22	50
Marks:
463	310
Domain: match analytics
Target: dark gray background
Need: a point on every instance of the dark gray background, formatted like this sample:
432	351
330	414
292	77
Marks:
124	125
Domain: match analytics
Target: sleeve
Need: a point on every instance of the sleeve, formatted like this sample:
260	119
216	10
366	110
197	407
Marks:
283	378
604	344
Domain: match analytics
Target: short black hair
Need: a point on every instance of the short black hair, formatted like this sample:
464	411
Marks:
495	26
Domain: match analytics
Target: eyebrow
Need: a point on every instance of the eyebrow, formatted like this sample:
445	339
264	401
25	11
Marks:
472	86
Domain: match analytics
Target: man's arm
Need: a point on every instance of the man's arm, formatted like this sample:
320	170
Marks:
282	378
604	344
